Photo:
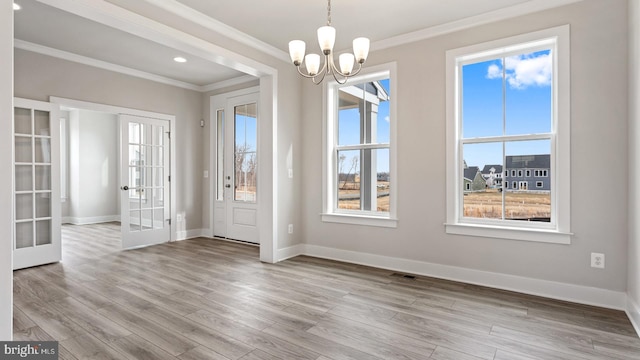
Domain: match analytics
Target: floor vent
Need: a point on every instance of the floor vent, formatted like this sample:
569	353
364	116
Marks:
406	276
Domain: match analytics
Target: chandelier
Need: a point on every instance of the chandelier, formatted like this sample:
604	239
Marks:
326	39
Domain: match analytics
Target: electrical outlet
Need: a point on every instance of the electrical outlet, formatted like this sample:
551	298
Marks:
597	260
290	228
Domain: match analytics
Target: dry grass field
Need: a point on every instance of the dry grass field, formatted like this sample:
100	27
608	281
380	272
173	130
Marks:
354	189
519	205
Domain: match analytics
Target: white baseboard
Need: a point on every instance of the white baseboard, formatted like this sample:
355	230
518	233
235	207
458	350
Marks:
89	220
633	312
190	234
289	252
550	289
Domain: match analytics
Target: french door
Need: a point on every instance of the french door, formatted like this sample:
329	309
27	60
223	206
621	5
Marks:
36	185
236	205
145	175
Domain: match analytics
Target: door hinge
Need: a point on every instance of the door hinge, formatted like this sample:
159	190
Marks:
169	178
169	134
169	221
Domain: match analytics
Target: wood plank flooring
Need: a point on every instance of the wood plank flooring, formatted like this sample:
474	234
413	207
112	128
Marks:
210	299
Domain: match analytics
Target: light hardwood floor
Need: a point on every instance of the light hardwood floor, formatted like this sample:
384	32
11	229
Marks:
210	299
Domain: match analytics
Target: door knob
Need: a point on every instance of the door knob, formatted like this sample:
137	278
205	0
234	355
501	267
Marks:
125	188
228	186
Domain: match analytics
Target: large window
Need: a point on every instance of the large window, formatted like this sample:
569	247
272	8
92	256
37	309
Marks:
359	158
509	107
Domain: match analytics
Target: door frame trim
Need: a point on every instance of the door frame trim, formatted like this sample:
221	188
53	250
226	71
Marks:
113	109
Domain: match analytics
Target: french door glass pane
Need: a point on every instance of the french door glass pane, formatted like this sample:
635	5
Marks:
24	178
41	122
43	205
24	206
42	177
22	121
158	219
43	232
24	234
23	151
134	220
43	150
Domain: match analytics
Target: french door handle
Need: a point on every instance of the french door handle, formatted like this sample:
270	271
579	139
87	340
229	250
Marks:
228	186
125	188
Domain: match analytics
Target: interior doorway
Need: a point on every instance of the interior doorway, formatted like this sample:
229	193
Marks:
118	170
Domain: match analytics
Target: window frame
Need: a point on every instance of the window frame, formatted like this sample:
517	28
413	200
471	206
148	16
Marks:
330	212
558	230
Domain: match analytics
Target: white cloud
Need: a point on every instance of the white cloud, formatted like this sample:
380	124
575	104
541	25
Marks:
386	118
494	72
523	71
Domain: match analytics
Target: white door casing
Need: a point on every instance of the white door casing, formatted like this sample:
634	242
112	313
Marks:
36	183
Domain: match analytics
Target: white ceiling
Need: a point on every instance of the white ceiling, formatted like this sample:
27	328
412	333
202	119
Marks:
272	22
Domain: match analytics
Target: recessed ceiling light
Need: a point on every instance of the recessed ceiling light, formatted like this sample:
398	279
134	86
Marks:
179	59
16	6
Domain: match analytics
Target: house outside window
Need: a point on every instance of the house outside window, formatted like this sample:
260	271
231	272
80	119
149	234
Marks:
508	103
359	172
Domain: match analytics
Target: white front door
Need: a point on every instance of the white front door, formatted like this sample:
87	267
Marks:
236	205
145	188
36	186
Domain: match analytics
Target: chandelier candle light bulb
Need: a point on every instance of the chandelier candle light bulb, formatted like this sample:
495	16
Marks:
326	40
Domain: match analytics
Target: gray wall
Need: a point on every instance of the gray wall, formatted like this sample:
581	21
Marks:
6	142
93	166
599	116
633	284
38	77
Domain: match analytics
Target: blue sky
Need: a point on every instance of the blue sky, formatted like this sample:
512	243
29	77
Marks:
526	80
349	130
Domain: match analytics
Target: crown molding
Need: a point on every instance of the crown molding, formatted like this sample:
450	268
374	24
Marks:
65	55
466	23
210	23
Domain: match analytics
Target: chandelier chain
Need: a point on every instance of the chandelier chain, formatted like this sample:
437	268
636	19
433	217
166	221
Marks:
328	12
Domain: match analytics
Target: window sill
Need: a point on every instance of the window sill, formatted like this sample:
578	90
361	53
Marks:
510	233
365	220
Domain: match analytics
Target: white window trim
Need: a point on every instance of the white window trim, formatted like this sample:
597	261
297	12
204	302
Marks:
329	211
557	232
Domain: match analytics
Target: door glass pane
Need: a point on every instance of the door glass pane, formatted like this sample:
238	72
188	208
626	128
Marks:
43	205
158	155
43	150
158	178
158	197
245	157
23	151
220	155
42	124
22	121
134	221
147	220
24	234
134	133
146	137
43	232
158	219
24	178
24	206
158	135
145	197
43	177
